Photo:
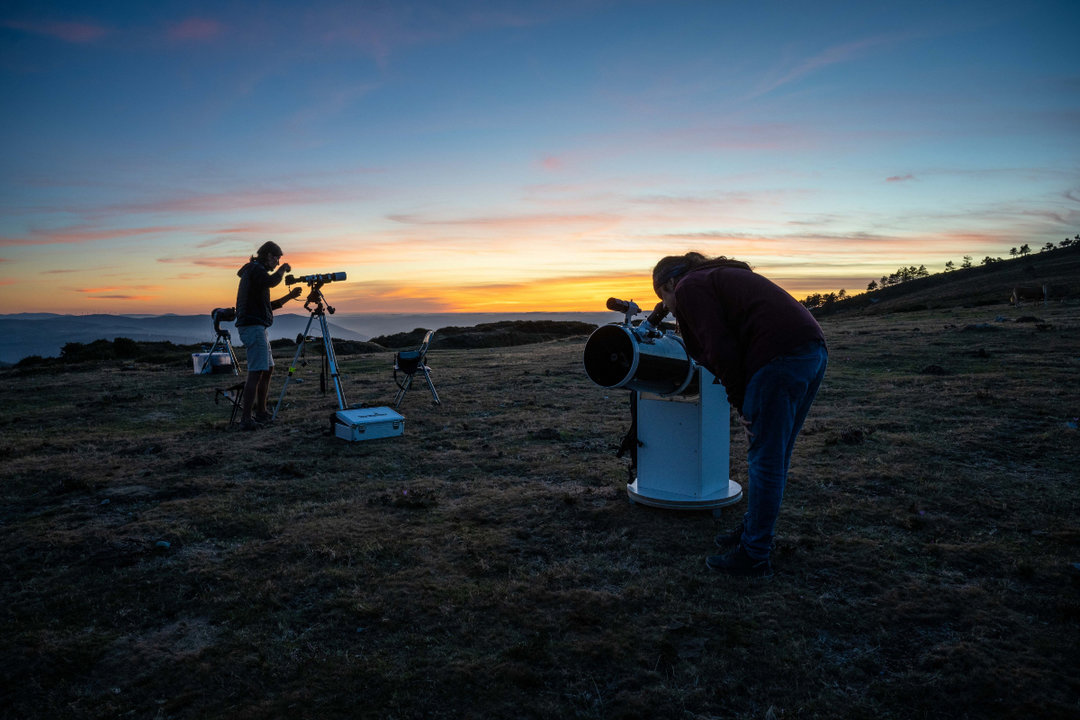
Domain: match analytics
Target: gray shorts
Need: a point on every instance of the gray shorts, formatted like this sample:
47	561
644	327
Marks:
257	343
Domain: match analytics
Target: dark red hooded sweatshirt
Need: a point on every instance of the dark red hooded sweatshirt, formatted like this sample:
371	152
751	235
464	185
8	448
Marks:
734	322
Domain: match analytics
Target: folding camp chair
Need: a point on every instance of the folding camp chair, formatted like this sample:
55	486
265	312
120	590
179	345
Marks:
409	363
234	395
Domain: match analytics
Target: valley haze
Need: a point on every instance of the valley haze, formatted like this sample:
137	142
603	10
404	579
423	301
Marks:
45	334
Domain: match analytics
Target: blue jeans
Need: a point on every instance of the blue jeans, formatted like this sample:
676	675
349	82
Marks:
778	397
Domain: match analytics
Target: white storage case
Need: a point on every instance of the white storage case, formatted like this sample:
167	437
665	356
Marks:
207	363
367	423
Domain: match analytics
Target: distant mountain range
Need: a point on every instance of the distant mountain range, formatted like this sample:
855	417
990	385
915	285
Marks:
45	334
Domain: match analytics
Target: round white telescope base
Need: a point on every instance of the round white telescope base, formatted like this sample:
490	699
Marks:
677	501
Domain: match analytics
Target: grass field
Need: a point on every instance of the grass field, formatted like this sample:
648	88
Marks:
488	564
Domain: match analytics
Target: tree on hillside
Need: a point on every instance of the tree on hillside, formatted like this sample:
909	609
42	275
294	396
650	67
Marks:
967	262
1048	246
1025	249
950	266
1012	252
872	286
989	260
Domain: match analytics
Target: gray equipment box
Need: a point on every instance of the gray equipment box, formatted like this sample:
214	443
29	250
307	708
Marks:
207	363
367	423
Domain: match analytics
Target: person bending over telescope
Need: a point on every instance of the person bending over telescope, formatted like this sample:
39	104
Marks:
254	315
770	354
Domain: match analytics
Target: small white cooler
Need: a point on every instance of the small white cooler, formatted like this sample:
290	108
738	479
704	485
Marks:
207	363
367	423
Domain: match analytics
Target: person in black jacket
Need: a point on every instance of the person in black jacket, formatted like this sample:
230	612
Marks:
254	315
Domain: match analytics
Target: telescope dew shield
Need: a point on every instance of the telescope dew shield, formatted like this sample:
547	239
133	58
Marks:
615	357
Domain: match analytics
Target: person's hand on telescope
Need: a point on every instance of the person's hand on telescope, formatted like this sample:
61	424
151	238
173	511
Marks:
286	267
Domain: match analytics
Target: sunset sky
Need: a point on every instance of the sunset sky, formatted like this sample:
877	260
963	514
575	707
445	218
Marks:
519	156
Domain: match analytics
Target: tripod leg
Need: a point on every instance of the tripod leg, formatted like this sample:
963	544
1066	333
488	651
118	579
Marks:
232	355
292	368
207	365
431	385
331	363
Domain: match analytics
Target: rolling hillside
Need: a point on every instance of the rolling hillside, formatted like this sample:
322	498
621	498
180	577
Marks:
981	285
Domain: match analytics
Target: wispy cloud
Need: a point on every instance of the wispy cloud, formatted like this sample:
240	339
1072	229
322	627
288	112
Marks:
900	178
80	234
195	29
119	293
71	32
132	298
835	55
380	30
510	221
238	199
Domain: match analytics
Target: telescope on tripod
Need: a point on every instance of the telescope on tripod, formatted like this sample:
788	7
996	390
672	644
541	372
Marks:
681	440
359	423
317	306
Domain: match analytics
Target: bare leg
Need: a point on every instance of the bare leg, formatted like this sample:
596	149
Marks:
250	390
263	390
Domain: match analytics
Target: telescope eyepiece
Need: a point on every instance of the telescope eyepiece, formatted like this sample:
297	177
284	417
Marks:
658	314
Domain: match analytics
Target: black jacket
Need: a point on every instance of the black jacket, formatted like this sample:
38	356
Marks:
253	296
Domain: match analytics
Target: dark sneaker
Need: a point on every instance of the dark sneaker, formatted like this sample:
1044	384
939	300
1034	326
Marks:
728	540
248	425
737	562
263	417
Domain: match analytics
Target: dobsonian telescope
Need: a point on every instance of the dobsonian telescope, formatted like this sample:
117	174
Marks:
682	416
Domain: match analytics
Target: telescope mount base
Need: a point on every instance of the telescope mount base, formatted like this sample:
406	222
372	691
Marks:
676	501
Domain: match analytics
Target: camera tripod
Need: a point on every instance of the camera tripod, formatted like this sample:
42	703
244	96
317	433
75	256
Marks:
318	307
222	340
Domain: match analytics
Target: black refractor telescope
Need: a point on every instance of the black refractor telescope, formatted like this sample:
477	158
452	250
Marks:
316	279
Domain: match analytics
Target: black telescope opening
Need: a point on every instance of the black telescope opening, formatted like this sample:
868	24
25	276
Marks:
616	357
609	356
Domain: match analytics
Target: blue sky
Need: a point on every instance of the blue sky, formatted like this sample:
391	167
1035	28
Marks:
512	156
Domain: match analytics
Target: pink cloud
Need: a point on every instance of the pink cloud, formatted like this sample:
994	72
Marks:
136	298
77	235
72	32
551	162
195	29
204	202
